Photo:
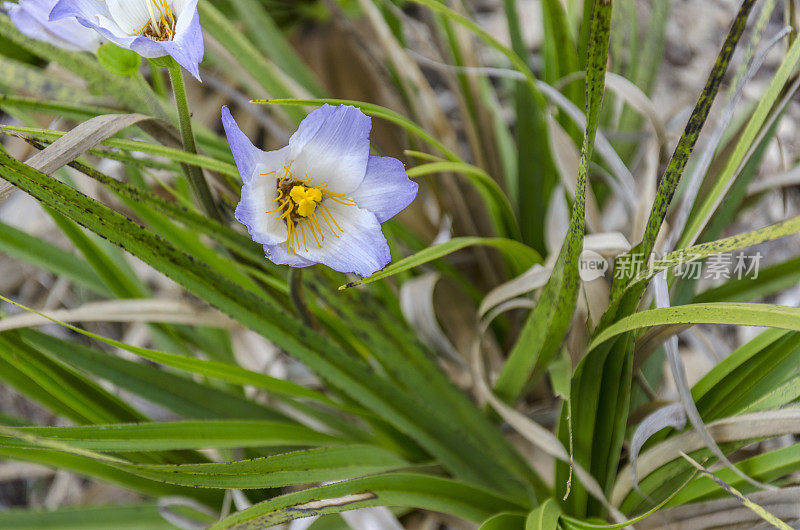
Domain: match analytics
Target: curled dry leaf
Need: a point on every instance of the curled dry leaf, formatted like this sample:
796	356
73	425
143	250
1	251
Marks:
379	518
670	416
85	136
167	505
725	513
758	510
416	303
765	424
678	370
607	245
529	429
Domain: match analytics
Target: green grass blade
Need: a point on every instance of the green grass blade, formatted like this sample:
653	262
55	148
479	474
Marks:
80	398
180	435
743	147
767	315
83	65
25	384
750	384
537	174
500	208
602	381
294	468
224	371
37	252
536	169
705	250
182	395
176	155
135	96
234	240
559	49
430	426
407	490
118	517
522	256
686	144
548	322
544	517
116	274
504	521
770	281
765	467
299	467
102	471
74	111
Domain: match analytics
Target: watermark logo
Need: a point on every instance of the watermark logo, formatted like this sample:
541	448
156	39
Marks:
723	266
592	265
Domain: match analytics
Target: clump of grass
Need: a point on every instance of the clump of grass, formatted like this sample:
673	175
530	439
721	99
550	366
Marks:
517	366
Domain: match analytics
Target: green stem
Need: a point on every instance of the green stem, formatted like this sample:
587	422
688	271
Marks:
193	173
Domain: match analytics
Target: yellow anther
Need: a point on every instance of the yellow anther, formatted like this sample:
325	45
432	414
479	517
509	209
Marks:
161	25
297	200
306	199
281	207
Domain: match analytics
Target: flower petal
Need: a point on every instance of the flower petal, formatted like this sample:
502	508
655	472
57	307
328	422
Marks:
130	15
258	198
279	255
310	126
332	144
32	18
259	189
187	47
360	248
386	189
89	13
179	6
247	156
185	11
95	15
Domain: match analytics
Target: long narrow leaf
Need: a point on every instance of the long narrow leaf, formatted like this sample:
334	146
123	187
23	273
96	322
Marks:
548	322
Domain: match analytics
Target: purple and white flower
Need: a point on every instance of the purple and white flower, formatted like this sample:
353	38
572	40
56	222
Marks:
32	19
322	198
151	28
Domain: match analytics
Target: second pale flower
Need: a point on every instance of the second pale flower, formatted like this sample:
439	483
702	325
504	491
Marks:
151	28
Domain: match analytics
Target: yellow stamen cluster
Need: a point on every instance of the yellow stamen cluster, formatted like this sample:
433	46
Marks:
161	25
298	200
306	199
